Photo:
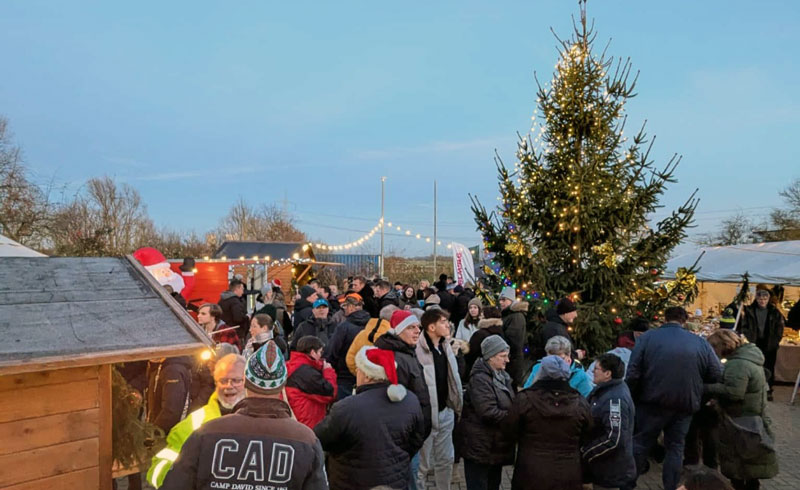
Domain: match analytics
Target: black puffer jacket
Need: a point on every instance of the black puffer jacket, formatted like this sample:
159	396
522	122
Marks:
234	313
554	326
336	350
515	333
322	328
302	311
168	385
409	373
487	401
371	439
387	299
550	420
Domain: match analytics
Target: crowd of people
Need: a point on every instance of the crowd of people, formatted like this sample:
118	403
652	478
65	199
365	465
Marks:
386	384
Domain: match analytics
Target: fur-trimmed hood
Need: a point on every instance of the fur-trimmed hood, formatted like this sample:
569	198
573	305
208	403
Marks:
521	306
490	322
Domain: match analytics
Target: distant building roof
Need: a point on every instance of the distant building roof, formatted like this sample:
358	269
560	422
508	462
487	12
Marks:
10	248
69	312
275	250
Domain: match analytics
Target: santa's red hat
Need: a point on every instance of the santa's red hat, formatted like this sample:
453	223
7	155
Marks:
148	256
379	364
402	319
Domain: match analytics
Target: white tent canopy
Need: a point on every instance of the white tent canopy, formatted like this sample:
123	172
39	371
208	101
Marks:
10	248
769	263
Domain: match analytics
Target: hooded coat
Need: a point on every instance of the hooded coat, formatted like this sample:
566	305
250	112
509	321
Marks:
550	420
486	327
478	436
366	337
234	312
743	392
337	349
515	333
303	310
309	388
371	439
370	303
409	374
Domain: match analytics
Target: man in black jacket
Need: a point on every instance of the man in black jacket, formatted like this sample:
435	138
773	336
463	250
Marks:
168	384
336	350
763	326
234	310
304	305
386	295
559	320
318	325
372	436
609	452
361	287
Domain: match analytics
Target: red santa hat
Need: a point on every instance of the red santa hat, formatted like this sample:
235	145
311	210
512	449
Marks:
379	364
148	256
401	319
276	283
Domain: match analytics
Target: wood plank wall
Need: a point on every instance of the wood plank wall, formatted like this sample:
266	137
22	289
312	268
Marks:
50	429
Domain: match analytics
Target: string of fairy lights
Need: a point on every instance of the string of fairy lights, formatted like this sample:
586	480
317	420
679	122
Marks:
387	226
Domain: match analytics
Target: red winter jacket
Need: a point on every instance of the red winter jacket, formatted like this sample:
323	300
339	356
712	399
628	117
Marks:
310	388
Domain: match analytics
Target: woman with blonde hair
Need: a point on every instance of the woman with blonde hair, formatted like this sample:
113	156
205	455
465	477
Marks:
742	395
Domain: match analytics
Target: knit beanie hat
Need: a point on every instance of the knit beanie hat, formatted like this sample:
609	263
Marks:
379	364
306	291
509	293
553	367
493	345
476	302
265	372
433	299
402	319
565	305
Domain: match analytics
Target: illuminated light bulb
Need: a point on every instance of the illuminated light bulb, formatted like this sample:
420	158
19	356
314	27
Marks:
205	257
389	223
206	355
241	257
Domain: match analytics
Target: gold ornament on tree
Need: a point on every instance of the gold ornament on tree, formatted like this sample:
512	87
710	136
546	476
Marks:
606	252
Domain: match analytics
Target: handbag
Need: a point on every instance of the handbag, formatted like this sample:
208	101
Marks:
748	436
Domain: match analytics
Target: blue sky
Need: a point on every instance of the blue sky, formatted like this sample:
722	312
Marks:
198	103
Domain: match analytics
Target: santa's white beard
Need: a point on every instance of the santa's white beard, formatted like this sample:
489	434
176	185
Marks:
166	276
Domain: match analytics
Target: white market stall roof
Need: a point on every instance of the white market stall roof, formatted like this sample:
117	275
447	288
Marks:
770	263
10	248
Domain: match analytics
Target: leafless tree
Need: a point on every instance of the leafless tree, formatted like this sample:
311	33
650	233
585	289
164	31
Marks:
106	218
732	231
266	223
24	207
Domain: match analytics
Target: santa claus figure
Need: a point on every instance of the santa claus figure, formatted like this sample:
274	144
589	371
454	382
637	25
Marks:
157	265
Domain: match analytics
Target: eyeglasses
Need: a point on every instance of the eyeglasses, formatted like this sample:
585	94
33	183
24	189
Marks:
232	381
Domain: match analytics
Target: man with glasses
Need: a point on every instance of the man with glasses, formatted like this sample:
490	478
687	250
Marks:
229	383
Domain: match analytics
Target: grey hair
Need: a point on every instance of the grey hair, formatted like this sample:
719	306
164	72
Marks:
558	345
229	360
762	292
386	312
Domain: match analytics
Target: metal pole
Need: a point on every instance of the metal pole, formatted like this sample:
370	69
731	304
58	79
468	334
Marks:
434	230
383	195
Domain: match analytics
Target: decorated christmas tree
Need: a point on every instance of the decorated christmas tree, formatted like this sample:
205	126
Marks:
574	218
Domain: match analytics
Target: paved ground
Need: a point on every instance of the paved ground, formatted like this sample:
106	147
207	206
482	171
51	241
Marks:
787	428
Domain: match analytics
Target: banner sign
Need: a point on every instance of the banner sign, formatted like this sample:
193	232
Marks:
463	268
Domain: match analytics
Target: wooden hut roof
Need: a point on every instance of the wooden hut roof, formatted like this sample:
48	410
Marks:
68	312
275	250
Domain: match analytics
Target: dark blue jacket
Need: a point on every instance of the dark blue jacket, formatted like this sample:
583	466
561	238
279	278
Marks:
609	452
669	366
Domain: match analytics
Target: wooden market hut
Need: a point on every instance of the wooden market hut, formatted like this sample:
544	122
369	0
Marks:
63	323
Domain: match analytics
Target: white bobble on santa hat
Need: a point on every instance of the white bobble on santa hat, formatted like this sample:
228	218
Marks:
379	365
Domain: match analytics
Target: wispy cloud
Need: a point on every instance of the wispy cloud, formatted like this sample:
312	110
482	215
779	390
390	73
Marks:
437	147
196	174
